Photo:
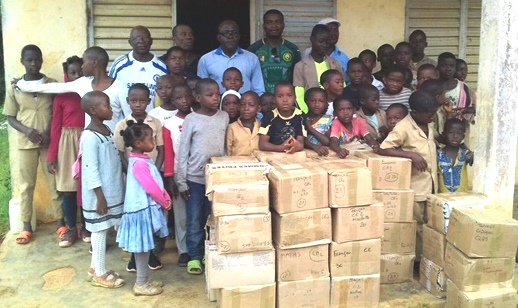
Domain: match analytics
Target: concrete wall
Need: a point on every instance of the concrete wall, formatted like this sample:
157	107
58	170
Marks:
58	27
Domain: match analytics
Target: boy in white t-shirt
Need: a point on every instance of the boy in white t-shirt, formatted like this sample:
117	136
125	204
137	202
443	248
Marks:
164	90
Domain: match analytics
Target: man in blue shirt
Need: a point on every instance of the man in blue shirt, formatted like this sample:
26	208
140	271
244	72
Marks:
229	54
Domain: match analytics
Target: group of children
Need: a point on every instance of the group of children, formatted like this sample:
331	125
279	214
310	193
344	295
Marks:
130	173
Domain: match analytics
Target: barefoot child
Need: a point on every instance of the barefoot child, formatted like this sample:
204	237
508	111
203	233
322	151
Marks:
347	127
102	188
230	104
318	122
145	198
370	111
282	130
243	135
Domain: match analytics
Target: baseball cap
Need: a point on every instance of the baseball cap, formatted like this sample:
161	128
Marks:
326	21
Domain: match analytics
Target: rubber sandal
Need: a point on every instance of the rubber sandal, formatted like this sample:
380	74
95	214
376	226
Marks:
91	272
24	237
194	267
108	280
61	231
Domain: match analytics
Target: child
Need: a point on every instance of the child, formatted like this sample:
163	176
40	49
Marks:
370	111
243	135
191	82
453	159
394	92
102	188
182	98
230	104
403	55
461	71
68	121
385	57
356	71
425	72
232	79
333	83
318	122
418	43
30	115
395	113
203	137
456	90
267	104
348	127
164	91
138	100
369	59
145	198
436	88
413	138
282	129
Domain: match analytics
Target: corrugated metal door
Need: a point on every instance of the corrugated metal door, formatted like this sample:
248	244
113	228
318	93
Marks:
111	22
300	16
450	25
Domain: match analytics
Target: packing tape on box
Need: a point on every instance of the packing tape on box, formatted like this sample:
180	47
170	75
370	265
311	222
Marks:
353	192
355	259
405	199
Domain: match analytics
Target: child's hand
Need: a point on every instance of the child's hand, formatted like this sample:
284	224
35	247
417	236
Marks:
287	144
168	205
418	162
343	153
185	195
375	148
174	189
383	130
102	207
45	138
34	136
295	146
322	150
52	167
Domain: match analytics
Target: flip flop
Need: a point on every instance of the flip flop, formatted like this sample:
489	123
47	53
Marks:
194	267
24	237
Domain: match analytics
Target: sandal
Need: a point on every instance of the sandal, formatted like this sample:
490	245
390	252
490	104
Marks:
147	289
61	231
194	267
108	280
24	237
91	272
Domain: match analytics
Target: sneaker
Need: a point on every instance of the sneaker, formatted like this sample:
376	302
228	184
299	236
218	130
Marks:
183	260
85	235
154	262
155	283
146	289
132	267
68	238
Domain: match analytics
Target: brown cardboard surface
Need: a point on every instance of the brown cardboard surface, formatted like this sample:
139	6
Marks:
432	277
297	187
247	297
399	237
439	207
302	229
244	233
259	267
233	159
355	258
240	198
497	298
355	291
267	157
398	204
357	223
303	293
434	245
474	274
483	233
302	263
396	268
219	174
347	185
388	172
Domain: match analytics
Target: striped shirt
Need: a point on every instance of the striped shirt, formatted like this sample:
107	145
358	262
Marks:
389	99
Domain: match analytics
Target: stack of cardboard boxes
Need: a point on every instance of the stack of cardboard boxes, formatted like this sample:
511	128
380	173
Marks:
240	260
439	207
479	260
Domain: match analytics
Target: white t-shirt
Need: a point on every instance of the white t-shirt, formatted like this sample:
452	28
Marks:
174	125
162	114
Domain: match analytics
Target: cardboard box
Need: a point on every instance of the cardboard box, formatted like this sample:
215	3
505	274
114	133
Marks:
302	229
399	237
474	274
233	159
219	174
333	157
398	204
240	198
355	291
494	298
303	293
355	258
357	223
388	172
439	207
247	297
432	277
396	268
259	267
483	233
297	187
267	157
347	185
434	245
212	294
244	233
303	263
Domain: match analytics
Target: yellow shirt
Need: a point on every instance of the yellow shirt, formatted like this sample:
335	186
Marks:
155	125
33	110
240	140
409	137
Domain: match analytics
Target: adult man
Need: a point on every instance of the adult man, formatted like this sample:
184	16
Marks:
138	66
183	37
229	54
334	51
277	55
